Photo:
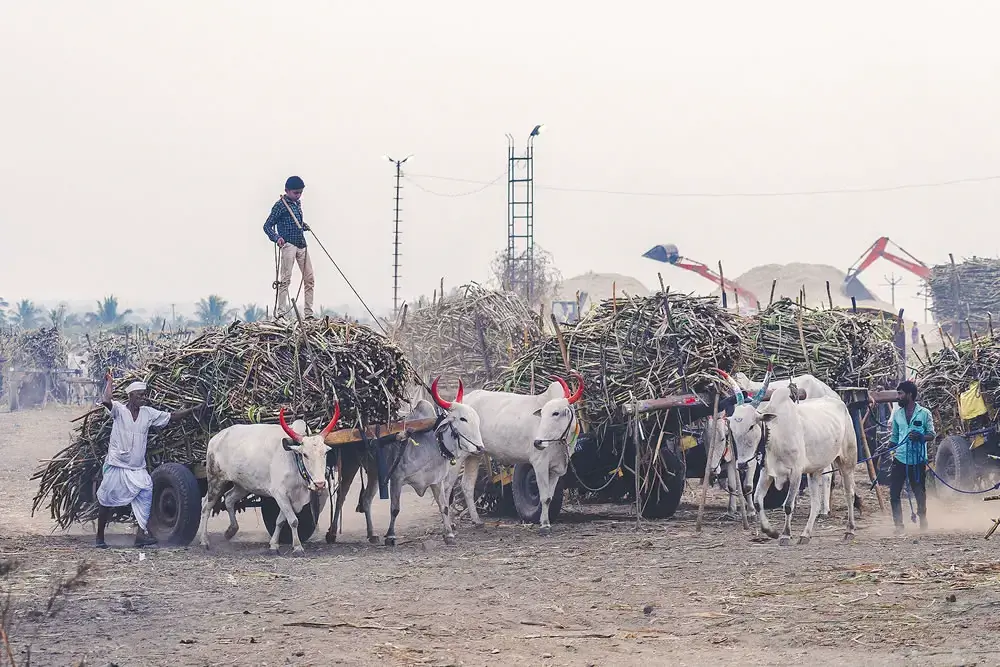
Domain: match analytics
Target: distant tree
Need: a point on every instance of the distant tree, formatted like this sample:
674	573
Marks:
107	314
26	314
251	313
57	316
73	320
214	311
546	276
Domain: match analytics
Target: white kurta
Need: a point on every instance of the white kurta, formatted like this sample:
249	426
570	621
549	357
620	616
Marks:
126	481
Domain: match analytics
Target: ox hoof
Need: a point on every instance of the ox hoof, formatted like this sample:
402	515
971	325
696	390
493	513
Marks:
545	530
784	540
449	539
298	552
804	540
331	537
479	526
203	544
773	534
849	537
231	532
372	539
389	541
273	551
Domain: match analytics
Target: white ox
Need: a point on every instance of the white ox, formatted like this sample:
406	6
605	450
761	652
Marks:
272	460
797	438
76	389
423	461
521	428
813	388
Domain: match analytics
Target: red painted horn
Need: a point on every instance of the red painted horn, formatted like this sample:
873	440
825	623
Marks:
579	388
291	434
440	401
333	422
566	391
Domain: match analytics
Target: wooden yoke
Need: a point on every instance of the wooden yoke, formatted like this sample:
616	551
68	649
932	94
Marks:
346	436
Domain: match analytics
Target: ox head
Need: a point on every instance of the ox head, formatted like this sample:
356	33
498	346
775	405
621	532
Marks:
558	415
459	424
310	450
739	435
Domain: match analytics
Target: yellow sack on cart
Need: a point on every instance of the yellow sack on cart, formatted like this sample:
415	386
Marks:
970	403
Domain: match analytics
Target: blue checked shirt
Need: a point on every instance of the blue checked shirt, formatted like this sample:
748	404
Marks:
280	224
909	452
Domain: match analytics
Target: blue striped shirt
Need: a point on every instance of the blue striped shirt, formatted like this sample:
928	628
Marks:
909	452
280	224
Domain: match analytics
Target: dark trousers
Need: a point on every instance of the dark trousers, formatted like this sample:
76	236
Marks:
917	477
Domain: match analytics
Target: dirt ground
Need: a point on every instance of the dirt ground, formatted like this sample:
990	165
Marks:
599	591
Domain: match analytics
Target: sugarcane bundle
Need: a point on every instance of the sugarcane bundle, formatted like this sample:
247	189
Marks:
470	334
127	350
39	349
951	371
839	347
245	373
633	348
966	292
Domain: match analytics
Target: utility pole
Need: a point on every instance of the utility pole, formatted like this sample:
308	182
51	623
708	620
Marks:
395	239
520	261
891	282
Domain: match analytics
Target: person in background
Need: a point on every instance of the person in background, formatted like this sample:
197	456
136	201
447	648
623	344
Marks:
912	429
914	334
286	228
125	480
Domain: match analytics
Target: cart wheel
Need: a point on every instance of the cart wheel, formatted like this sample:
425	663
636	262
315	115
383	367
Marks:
307	516
660	503
955	462
524	489
176	511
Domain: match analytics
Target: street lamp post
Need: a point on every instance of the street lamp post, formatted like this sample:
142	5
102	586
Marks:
395	242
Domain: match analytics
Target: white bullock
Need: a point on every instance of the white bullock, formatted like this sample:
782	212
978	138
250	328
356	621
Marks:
275	461
524	428
422	460
76	390
797	438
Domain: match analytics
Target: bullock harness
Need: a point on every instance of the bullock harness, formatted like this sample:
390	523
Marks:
565	437
439	436
765	433
301	466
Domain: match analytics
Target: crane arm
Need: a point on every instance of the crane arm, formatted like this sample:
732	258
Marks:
878	250
747	296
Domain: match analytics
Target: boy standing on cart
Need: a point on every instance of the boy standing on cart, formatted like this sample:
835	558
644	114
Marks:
125	480
912	429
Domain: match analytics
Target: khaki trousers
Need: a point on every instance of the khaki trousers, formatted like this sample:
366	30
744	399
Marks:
290	255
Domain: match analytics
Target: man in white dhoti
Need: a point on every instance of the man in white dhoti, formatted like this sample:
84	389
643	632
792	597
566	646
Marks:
126	481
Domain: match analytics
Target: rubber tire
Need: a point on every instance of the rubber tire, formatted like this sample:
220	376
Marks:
662	504
308	517
956	450
176	512
527	501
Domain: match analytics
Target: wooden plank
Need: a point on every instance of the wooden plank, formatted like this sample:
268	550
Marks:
346	436
884	396
665	403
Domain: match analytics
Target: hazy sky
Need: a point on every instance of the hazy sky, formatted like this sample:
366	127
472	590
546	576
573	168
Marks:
142	144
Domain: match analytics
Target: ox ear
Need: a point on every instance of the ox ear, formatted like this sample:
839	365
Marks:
290	445
538	412
766	417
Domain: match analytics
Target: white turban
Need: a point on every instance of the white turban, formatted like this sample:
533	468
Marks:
135	386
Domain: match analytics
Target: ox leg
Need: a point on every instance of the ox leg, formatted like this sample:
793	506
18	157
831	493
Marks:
212	495
825	489
748	488
469	476
443	505
546	485
368	496
847	474
349	468
789	507
288	512
233	496
395	494
816	490
763	486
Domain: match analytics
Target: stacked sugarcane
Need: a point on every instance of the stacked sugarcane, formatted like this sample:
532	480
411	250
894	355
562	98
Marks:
950	371
245	373
633	348
128	350
839	347
471	334
968	292
40	349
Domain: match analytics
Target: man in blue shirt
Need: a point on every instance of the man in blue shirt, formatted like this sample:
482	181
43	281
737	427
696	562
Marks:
912	429
286	228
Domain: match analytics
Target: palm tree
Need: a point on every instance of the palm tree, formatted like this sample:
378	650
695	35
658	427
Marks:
26	314
214	311
251	313
107	313
58	316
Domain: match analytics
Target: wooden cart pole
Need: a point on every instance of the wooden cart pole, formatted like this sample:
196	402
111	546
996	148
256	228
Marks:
872	474
708	467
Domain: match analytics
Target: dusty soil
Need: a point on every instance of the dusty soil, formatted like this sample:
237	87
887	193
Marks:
599	591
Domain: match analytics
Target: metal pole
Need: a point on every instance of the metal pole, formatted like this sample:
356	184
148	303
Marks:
395	247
